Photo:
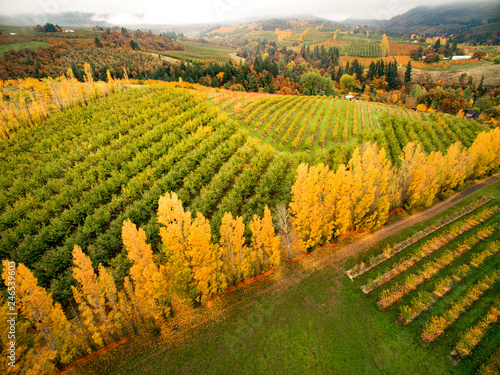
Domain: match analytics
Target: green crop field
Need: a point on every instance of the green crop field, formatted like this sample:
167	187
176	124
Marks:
195	51
324	323
311	123
363	48
441	284
21	45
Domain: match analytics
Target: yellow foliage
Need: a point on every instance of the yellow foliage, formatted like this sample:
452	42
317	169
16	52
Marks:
311	206
432	182
370	186
485	153
386	48
304	33
192	258
37	306
421	108
116	317
89	296
24	336
265	244
202	260
176	224
149	283
234	252
420	176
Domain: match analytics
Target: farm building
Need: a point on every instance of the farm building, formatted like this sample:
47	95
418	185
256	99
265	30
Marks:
461	57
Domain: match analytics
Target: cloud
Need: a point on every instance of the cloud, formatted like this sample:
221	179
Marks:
199	11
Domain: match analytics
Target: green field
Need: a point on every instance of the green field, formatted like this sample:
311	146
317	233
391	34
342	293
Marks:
22	45
194	51
312	123
364	48
314	320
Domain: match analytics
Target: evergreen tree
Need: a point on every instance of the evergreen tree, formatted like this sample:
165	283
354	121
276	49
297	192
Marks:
408	72
372	71
253	84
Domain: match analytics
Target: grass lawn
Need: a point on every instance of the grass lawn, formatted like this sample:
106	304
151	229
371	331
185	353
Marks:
18	46
320	325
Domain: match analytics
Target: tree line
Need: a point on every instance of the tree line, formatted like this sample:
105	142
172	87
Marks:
359	195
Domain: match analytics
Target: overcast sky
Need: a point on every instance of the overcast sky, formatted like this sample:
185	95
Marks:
204	11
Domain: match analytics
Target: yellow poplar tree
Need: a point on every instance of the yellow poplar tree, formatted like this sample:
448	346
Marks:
455	166
234	252
128	304
37	306
149	282
201	258
433	178
23	336
412	175
484	154
108	287
341	193
386	49
311	208
370	199
89	79
265	244
176	224
193	260
90	298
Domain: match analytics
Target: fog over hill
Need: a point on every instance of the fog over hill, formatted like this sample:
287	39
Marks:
156	12
450	17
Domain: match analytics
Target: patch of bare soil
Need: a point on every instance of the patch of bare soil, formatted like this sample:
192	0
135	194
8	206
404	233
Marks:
490	72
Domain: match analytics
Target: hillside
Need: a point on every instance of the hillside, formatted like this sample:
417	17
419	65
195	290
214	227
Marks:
458	19
171	140
294	123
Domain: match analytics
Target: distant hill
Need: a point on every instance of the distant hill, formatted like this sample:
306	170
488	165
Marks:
67	18
460	20
360	22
